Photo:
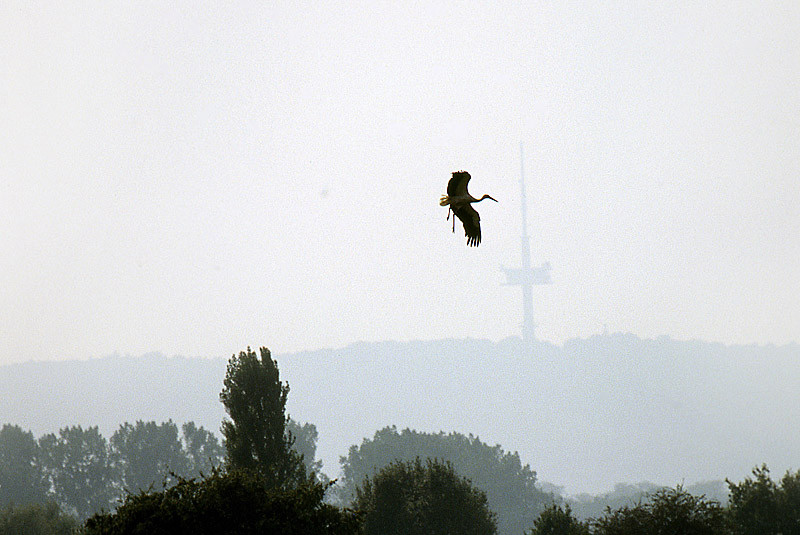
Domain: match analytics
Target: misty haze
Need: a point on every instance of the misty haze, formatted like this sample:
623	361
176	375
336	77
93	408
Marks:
243	277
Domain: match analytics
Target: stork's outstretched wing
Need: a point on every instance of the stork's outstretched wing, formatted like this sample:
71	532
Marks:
472	223
457	187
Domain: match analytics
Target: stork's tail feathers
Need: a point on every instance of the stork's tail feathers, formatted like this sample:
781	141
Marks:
444	201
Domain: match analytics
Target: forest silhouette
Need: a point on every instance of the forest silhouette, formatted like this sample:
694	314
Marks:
264	476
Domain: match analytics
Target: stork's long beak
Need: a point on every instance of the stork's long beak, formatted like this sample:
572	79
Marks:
489	197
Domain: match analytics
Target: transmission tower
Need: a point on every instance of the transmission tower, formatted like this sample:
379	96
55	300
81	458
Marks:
526	276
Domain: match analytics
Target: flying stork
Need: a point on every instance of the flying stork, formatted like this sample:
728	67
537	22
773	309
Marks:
460	202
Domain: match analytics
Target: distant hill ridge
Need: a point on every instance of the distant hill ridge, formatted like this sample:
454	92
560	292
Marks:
587	414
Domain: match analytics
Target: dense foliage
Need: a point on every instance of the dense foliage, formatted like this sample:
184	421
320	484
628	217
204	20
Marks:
509	485
21	477
203	450
557	521
78	468
235	502
305	438
146	448
587	506
84	473
36	519
412	498
255	436
264	487
401	482
668	512
761	506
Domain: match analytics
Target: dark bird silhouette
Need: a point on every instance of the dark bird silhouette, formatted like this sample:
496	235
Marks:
460	202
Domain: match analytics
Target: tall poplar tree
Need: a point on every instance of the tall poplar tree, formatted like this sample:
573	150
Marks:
255	436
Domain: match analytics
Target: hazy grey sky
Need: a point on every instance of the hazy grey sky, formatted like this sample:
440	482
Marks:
193	179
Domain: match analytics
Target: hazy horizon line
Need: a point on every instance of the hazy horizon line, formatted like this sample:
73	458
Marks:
516	338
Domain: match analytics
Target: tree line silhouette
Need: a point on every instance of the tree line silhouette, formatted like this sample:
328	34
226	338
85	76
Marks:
263	478
83	472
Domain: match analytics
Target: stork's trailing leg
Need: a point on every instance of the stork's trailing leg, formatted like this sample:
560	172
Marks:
445	201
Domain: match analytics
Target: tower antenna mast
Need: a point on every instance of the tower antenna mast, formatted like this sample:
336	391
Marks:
526	276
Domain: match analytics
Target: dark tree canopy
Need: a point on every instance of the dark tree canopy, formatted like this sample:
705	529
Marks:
594	506
84	473
761	506
21	478
255	436
557	521
668	512
305	444
232	502
509	485
78	469
412	498
36	519
146	453
203	450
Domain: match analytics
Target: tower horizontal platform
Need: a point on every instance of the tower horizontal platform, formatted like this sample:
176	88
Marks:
533	276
